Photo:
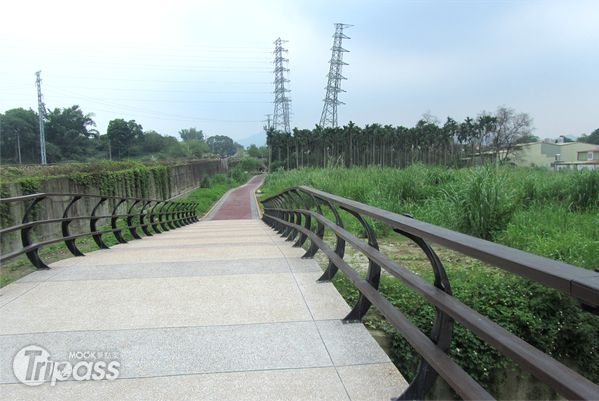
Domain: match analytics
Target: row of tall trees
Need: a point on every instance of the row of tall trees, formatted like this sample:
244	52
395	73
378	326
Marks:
428	142
71	136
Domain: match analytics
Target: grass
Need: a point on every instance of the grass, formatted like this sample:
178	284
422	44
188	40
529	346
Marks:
213	188
553	214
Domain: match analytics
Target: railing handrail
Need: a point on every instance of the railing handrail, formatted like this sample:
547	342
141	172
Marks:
577	282
170	214
285	212
69	194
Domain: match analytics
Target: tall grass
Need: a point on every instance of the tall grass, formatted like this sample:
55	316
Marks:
505	204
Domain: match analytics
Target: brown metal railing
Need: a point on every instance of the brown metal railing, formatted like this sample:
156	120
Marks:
163	215
292	213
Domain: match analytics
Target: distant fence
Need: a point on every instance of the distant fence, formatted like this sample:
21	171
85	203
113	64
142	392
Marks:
297	214
151	216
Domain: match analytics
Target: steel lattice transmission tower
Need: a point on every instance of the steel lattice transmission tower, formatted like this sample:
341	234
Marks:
41	108
282	101
328	117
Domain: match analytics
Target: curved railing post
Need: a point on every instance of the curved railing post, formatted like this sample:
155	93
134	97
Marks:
113	222
196	217
319	231
186	212
162	216
153	222
373	276
332	269
26	241
172	215
70	243
296	200
442	329
92	226
279	202
130	225
190	212
142	217
290	216
307	222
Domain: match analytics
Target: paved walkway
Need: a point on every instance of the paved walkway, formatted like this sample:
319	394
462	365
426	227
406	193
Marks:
218	310
238	203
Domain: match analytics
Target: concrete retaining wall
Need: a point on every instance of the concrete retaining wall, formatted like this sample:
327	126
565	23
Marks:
181	179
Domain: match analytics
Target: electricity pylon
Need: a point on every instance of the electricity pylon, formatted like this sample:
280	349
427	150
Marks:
282	101
328	117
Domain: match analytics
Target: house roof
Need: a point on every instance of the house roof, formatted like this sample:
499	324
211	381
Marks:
557	143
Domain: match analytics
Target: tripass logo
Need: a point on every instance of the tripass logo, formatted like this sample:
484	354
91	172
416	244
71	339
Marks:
33	365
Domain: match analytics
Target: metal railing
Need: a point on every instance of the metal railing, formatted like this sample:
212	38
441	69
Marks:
162	215
292	213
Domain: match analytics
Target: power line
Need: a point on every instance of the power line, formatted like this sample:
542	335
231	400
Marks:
328	117
282	101
152	113
195	91
165	80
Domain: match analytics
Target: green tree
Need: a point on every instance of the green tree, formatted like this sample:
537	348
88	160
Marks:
527	139
253	151
122	135
222	145
153	142
191	134
593	137
196	148
257	152
70	131
19	133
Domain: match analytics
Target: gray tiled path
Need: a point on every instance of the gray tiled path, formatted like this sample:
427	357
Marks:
218	310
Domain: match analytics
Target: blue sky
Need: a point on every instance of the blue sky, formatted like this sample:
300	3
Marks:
207	64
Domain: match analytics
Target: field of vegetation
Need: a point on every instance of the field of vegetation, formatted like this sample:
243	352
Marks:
536	210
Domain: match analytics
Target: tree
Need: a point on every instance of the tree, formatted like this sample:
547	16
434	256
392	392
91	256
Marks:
19	135
196	148
153	142
70	131
593	137
527	139
221	145
509	127
191	134
122	135
257	152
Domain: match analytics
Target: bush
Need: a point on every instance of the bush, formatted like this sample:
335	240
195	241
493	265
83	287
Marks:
250	164
206	182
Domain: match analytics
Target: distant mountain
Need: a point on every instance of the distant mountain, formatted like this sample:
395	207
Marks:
258	139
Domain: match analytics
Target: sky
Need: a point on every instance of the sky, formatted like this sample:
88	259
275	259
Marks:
208	64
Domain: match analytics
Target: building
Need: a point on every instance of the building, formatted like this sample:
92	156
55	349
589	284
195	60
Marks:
577	155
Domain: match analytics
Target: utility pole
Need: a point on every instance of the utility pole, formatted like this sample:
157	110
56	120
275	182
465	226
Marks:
19	145
267	130
267	121
328	117
282	101
41	107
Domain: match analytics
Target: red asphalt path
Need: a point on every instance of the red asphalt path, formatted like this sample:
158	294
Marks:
238	203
